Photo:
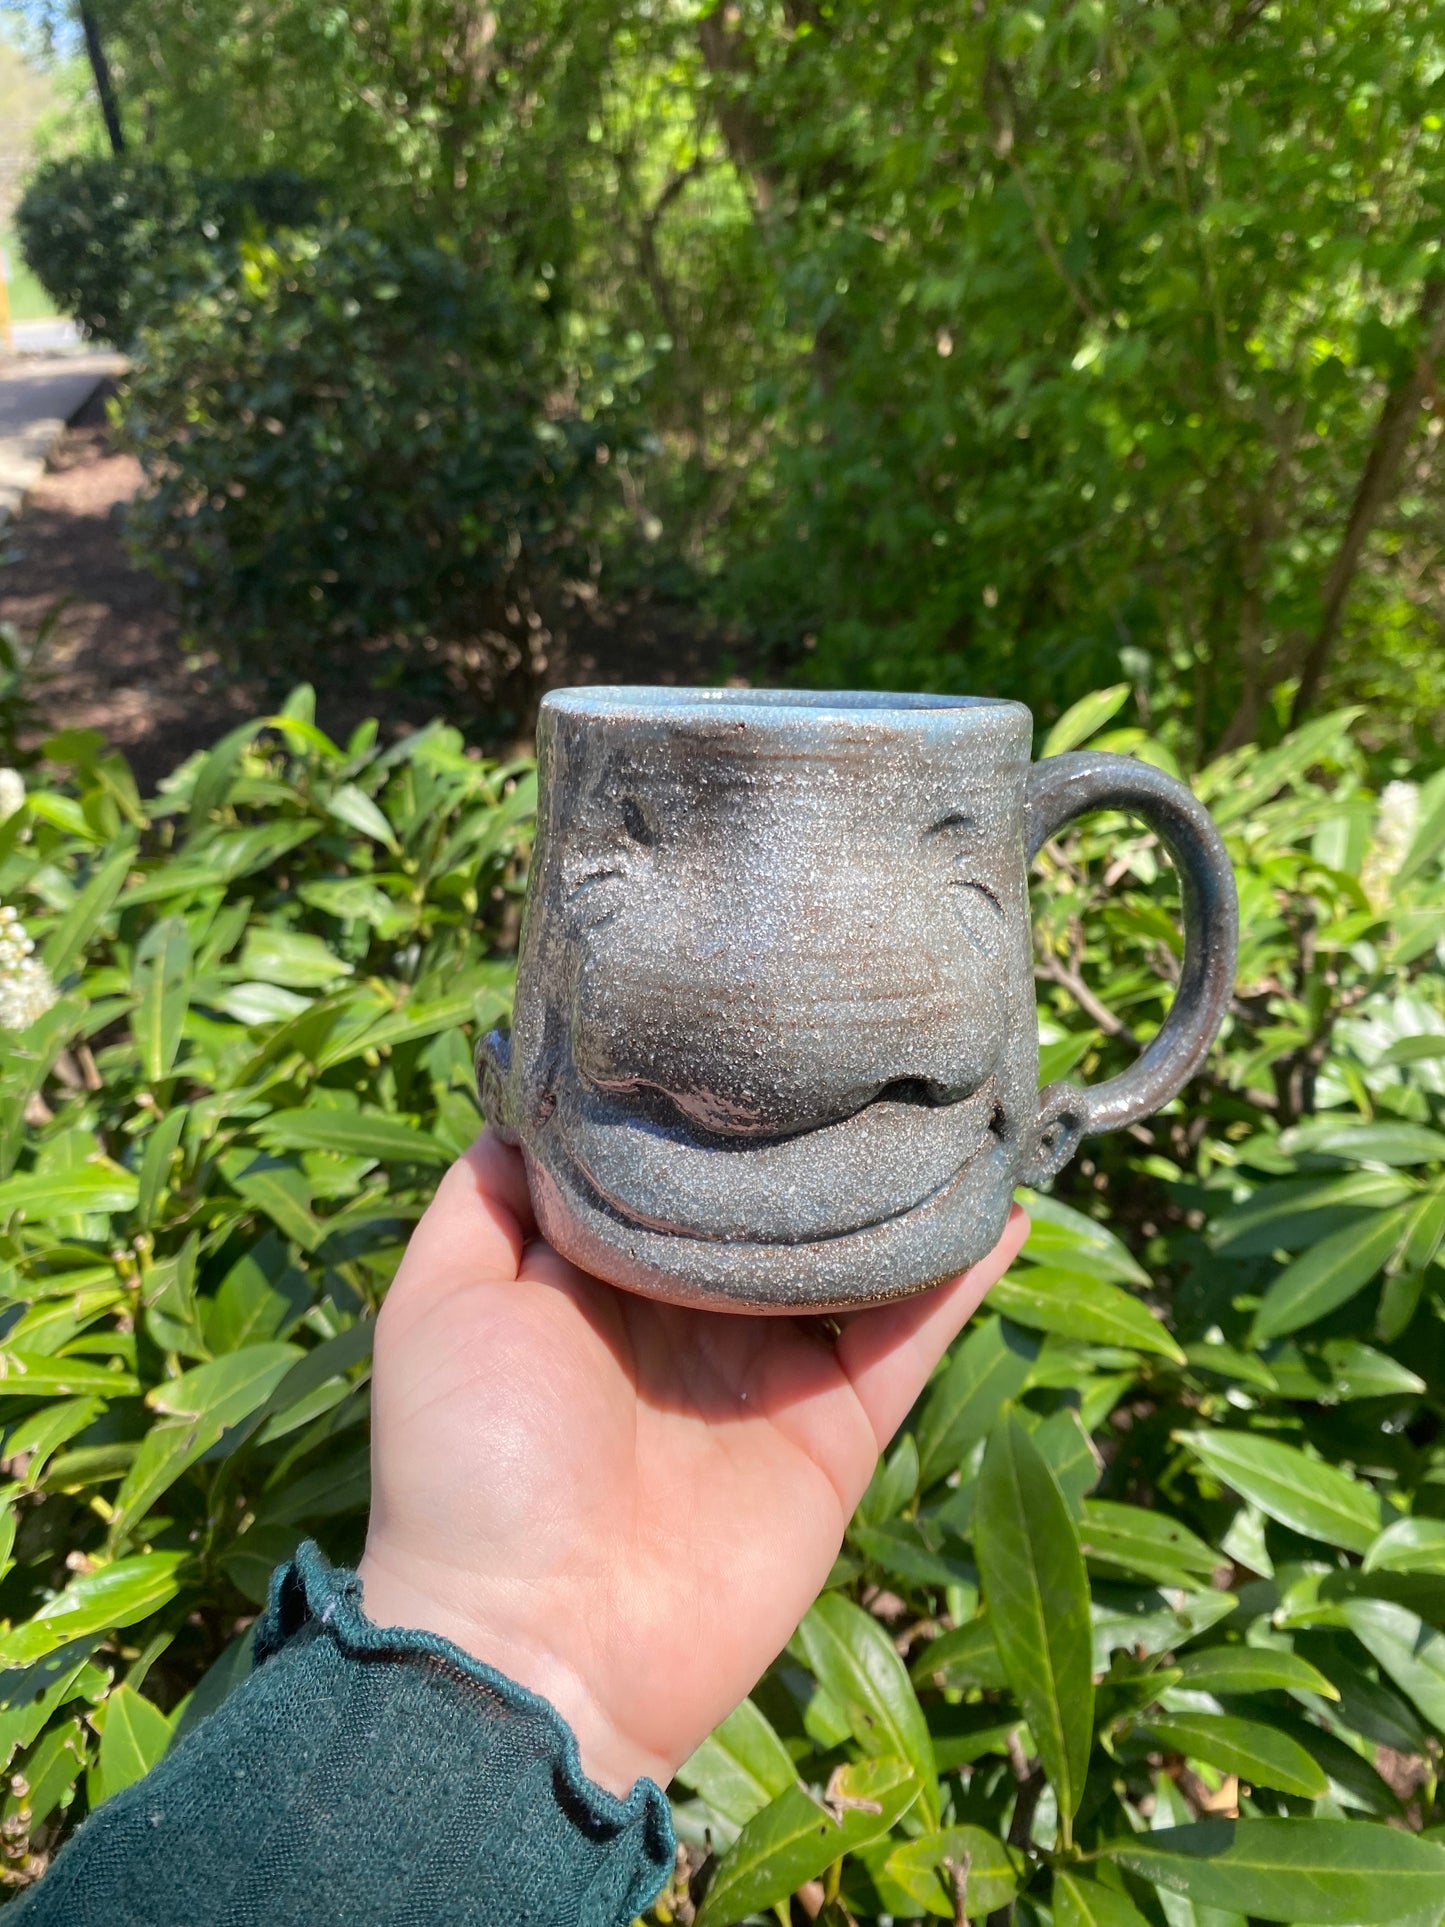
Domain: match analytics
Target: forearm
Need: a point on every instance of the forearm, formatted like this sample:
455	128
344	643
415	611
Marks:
361	1775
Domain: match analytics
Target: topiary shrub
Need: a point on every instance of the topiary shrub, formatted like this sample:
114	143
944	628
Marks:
1162	1544
350	438
101	234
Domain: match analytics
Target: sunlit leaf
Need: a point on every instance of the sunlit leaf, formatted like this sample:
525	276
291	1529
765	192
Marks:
1319	1500
1332	1873
800	1834
134	1736
853	1658
1257	1753
1038	1599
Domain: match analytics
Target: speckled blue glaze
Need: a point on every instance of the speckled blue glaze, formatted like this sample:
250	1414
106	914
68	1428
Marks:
774	1044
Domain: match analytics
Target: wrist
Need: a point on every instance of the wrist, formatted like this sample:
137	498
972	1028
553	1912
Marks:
399	1593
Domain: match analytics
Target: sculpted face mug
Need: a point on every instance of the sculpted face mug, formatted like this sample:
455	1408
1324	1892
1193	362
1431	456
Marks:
774	1045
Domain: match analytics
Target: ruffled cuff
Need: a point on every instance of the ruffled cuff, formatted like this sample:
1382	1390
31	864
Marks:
503	1753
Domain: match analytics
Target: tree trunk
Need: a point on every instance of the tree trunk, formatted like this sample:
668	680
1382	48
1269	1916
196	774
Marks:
1375	491
744	134
100	68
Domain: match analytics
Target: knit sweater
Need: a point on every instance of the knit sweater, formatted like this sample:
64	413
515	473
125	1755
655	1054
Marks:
376	1778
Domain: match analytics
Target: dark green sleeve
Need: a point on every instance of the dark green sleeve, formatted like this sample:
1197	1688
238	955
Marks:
361	1776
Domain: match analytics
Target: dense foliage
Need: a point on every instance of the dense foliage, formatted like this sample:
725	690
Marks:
349	438
102	235
997	347
215	1141
1163	1541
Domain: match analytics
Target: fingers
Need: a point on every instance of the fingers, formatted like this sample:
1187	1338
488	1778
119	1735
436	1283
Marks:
889	1353
476	1228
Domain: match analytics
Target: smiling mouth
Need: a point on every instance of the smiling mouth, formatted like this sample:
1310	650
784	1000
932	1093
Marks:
648	1167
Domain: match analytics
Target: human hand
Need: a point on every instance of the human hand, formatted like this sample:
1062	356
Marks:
625	1506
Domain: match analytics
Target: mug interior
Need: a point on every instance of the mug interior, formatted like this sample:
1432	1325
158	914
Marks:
688	704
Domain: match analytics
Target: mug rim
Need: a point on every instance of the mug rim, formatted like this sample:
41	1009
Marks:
631	702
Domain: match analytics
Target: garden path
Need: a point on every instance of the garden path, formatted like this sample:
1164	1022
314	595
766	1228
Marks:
38	396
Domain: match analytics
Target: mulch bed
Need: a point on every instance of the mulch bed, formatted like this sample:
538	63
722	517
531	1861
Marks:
114	660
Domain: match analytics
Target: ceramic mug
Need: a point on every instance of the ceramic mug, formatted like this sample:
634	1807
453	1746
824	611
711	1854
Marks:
774	1044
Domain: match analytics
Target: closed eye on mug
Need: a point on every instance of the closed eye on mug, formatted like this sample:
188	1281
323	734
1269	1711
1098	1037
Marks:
979	889
955	821
594	895
635	823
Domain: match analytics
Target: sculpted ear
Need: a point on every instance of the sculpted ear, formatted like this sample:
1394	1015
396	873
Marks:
494	1064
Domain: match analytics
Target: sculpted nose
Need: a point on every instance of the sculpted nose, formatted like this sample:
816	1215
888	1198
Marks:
753	1028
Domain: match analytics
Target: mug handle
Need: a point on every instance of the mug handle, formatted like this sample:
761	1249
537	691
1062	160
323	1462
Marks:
1063	787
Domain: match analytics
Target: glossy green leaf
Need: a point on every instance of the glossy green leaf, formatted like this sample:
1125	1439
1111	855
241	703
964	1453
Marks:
853	1659
893	1485
1409	1545
291	959
1251	1669
800	1834
1047	1299
354	1134
1409	1650
354	807
113	1595
1149	1543
134	1736
904	1552
1257	1753
45	1196
51	1771
160	1148
67	941
1085	719
197	1408
1229	1362
263	1296
32	1694
964	1656
283	1194
163	986
1328	1274
927	1866
1424	1231
1339	1369
1080	1902
1298	1211
1382	1143
1318	1500
1065	1238
741	1766
1038	1601
37	1375
1070	1455
988	1368
1332	1873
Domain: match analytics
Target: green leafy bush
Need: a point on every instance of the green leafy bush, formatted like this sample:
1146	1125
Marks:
214	1142
1163	1542
349	438
102	234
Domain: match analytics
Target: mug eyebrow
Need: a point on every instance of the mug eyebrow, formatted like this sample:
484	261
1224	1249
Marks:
955	820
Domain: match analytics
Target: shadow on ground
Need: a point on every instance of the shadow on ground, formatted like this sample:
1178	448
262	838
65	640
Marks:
115	661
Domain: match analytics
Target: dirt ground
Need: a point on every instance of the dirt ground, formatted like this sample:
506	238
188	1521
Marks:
114	660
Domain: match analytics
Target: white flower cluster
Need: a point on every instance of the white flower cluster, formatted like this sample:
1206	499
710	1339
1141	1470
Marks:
12	792
1395	825
26	991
